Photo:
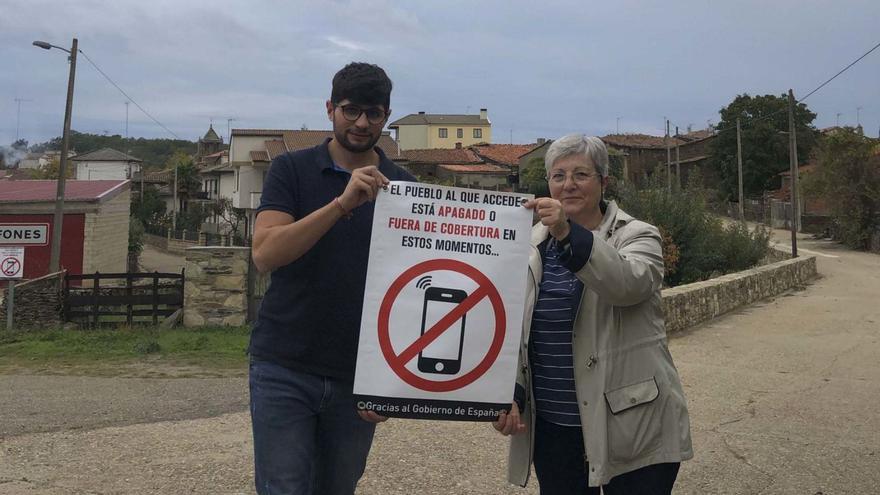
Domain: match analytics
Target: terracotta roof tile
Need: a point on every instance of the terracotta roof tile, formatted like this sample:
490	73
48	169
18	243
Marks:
21	191
507	154
275	147
258	132
442	155
259	156
481	168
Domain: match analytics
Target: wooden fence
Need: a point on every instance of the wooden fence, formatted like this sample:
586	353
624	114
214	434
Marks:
116	298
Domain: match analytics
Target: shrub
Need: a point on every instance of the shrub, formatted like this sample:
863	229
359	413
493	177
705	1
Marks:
696	245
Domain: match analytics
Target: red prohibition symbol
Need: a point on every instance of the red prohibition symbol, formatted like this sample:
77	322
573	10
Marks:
485	289
10	266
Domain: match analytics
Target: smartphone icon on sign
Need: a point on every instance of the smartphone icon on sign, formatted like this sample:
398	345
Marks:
443	355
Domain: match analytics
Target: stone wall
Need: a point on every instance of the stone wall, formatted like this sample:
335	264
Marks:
215	291
38	302
692	304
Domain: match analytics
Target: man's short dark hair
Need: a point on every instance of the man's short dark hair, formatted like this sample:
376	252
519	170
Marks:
362	83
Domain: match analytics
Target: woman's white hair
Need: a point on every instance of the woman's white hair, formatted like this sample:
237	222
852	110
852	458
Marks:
579	144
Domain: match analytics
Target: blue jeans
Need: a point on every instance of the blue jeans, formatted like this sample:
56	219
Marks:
562	469
308	437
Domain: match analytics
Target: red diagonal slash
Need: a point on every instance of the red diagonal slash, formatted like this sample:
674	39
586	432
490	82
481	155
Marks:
441	326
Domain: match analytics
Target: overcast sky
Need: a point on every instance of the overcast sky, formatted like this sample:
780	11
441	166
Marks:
543	69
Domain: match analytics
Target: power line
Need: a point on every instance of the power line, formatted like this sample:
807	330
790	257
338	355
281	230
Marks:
764	117
129	97
841	72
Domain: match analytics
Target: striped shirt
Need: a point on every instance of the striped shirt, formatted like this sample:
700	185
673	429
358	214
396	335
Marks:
550	339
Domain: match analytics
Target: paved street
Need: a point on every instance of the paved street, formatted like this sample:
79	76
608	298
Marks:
153	259
783	400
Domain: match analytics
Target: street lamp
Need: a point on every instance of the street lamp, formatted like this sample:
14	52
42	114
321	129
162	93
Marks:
55	256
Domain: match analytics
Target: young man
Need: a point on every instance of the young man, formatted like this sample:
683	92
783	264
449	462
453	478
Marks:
313	233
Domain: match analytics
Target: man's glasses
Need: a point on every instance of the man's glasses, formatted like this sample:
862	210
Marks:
354	112
579	177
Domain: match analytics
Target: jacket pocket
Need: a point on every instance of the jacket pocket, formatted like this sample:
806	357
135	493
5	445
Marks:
634	423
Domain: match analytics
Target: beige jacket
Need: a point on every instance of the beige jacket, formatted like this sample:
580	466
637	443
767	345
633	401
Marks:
631	402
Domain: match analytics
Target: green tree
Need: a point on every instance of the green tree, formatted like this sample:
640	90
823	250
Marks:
51	170
848	177
154	152
234	218
534	178
150	208
764	122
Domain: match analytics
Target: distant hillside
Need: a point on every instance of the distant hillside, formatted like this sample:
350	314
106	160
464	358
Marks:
154	152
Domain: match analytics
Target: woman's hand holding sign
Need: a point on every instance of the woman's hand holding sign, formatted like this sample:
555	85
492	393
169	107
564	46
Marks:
509	423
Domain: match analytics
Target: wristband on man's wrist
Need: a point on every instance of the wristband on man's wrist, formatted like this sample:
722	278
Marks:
345	213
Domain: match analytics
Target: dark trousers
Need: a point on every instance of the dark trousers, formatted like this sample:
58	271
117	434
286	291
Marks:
308	437
562	469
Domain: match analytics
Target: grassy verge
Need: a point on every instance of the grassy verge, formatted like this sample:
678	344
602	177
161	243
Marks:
216	349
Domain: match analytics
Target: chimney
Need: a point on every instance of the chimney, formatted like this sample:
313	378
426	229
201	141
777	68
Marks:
484	114
541	141
421	113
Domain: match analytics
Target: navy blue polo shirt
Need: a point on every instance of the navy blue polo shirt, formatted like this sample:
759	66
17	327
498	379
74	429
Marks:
310	317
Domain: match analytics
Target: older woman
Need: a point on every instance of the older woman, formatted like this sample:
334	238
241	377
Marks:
601	400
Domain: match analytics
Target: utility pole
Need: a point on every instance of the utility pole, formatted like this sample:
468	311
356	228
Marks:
739	169
174	211
838	118
677	160
618	125
858	116
58	220
18	115
668	160
792	143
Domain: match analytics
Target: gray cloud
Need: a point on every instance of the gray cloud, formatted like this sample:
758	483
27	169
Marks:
541	69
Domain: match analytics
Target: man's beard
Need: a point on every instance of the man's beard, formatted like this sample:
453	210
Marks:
342	138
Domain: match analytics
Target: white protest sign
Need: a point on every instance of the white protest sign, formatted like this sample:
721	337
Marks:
443	305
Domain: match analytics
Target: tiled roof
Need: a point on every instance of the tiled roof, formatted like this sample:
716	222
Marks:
507	154
442	155
258	132
217	154
480	168
159	176
105	155
639	141
275	147
223	167
22	191
259	156
433	118
698	135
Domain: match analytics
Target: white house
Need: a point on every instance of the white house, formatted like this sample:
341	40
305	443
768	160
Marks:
40	160
106	163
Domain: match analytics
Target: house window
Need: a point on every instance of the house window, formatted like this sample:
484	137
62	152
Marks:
459	133
444	132
478	133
